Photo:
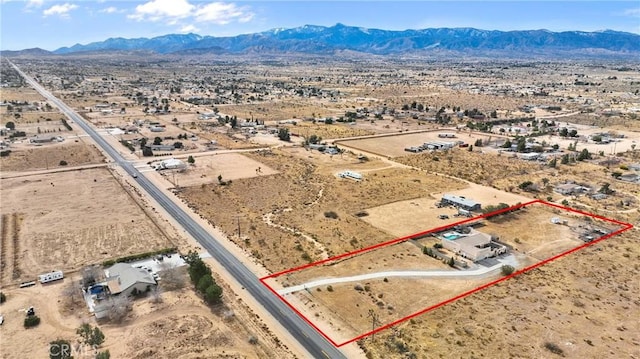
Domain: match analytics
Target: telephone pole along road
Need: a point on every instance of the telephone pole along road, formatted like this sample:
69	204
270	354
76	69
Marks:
314	343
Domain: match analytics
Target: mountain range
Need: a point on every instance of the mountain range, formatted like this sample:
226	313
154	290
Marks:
312	39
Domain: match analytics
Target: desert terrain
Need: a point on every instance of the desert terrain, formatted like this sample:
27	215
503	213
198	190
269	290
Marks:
527	130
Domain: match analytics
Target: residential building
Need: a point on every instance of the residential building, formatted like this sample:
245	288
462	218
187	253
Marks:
460	202
475	245
122	279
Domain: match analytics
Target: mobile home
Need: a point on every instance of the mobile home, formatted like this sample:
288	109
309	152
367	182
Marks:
50	277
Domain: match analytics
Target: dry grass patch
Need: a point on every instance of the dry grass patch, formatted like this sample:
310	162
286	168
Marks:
51	156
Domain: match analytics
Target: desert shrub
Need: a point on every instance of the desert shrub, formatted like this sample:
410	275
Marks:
60	349
330	288
331	214
90	335
3	298
5	153
31	321
507	269
63	163
103	355
253	340
554	348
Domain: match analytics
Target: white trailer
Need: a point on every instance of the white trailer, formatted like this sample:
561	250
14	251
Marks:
50	277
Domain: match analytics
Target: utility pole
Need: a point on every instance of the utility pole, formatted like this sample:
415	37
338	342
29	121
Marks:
374	322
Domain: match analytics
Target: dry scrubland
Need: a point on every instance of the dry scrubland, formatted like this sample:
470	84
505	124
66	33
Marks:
50	156
298	198
477	167
70	219
580	305
528	231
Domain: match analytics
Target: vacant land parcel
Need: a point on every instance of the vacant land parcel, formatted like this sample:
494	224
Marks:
385	284
69	219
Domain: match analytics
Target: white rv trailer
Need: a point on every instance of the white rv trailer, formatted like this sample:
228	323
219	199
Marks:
50	277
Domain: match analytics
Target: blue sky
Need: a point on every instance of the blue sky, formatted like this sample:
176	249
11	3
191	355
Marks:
50	24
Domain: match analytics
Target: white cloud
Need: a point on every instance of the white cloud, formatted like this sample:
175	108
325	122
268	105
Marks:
189	28
156	10
109	10
172	11
635	12
61	10
222	13
35	3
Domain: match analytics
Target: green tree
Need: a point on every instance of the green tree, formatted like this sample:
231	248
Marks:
494	114
478	142
451	262
157	141
605	189
507	144
564	132
10	125
197	268
191	160
553	163
507	269
143	143
147	152
565	159
213	294
584	155
205	282
283	134
522	145
103	355
31	321
3	298
234	122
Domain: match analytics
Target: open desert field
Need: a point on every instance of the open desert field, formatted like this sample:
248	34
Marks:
206	169
579	304
403	218
285	226
67	220
398	280
393	146
50	156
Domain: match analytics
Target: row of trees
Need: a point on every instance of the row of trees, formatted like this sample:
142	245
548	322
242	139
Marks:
201	277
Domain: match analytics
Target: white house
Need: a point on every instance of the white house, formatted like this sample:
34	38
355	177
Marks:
122	279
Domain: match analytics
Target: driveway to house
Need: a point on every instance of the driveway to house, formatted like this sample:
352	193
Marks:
478	273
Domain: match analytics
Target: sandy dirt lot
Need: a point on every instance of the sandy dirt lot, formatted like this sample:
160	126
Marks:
420	214
49	156
582	304
181	326
393	146
231	166
529	231
71	219
285	226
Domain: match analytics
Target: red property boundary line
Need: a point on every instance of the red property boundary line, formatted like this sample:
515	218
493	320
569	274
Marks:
625	227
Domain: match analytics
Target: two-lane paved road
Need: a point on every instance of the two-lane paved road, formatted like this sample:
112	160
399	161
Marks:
315	344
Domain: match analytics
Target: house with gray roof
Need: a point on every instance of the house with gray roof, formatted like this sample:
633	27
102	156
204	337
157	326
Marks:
122	279
460	202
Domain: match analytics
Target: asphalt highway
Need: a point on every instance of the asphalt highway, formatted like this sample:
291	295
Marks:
316	345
